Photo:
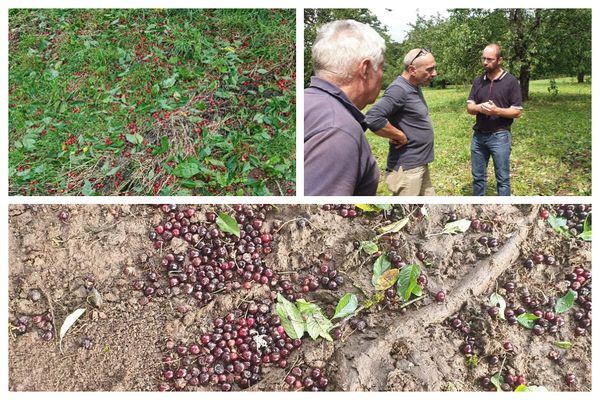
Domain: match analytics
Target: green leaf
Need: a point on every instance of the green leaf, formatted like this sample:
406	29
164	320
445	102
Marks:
460	226
384	207
566	302
496	380
346	306
527	320
228	224
498	301
563	345
367	207
587	229
318	325
262	71
290	316
407	281
559	225
163	147
187	168
87	189
369	247
387	279
135	138
525	388
167	83
381	265
28	141
394	227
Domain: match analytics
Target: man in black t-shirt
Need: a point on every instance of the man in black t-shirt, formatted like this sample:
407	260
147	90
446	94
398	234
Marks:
495	99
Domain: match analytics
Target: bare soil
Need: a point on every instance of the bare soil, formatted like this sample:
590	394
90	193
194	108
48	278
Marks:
117	344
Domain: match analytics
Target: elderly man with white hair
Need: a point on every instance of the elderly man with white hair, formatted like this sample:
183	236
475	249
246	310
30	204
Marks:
348	64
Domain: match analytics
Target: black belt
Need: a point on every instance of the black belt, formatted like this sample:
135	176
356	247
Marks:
492	131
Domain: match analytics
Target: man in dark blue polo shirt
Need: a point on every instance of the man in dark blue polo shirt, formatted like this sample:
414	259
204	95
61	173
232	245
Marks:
495	99
348	62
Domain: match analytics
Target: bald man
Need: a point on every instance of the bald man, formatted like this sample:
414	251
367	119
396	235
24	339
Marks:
403	111
495	100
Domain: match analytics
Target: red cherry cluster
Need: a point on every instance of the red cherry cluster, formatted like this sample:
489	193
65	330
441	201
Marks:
43	323
575	214
344	210
509	380
307	379
215	261
234	353
580	280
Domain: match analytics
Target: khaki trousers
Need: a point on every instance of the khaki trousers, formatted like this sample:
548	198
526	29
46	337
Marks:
410	182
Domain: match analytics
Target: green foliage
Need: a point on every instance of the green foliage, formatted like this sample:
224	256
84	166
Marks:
407	282
228	224
346	306
316	17
566	302
155	95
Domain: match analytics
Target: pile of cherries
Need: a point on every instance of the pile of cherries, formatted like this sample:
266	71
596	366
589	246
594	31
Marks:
215	261
344	210
235	352
43	323
547	322
580	280
575	214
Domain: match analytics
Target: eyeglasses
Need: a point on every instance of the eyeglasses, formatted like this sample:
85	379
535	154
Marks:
421	52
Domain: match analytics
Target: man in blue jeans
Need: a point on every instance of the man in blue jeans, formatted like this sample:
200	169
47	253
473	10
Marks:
495	99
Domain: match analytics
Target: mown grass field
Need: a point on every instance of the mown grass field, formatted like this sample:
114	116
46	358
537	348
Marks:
552	142
152	102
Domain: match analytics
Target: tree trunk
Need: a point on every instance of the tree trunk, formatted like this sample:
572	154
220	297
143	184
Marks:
580	76
524	81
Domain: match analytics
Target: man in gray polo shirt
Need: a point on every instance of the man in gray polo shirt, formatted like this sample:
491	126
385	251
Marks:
403	111
348	64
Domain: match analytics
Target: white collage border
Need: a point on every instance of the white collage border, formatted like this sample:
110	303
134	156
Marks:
299	5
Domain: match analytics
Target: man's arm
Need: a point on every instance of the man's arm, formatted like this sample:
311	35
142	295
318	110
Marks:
473	108
490	108
389	131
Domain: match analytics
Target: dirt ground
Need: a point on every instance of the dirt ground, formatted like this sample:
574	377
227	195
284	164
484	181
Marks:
62	258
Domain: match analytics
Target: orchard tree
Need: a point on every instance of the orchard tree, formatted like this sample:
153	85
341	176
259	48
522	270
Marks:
315	17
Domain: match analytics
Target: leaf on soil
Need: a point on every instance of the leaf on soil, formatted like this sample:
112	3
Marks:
394	227
381	265
460	226
527	320
318	324
496	380
346	306
559	225
228	224
387	279
563	345
369	247
587	229
407	281
498	300
291	318
525	388
566	302
69	321
367	207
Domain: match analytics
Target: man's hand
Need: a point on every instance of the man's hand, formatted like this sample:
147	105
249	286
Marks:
396	136
489	108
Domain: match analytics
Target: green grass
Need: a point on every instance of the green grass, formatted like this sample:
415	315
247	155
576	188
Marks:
152	102
551	154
